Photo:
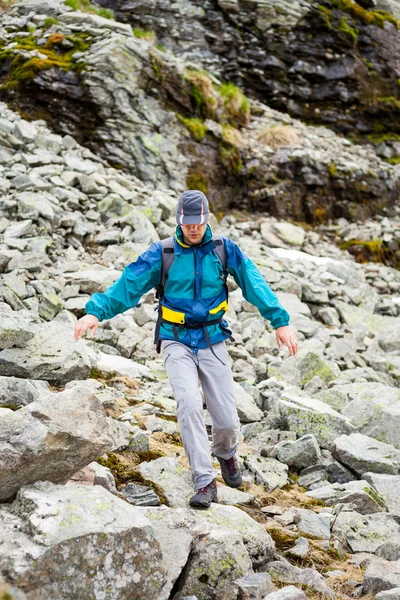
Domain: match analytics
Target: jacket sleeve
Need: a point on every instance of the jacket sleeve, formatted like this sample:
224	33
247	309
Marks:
254	287
136	279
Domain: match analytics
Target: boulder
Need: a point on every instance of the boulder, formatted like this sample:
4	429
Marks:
365	498
374	409
268	472
284	572
15	392
14	330
51	354
300	454
247	408
257	541
362	453
53	438
289	592
388	487
217	557
175	480
381	575
311	523
365	533
82	541
306	415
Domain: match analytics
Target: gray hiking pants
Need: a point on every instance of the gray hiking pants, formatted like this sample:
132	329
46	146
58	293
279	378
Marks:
184	369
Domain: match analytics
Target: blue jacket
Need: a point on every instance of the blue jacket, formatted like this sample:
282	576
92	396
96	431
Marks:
194	290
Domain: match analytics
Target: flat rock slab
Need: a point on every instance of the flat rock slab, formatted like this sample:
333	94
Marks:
381	575
52	354
258	542
308	415
388	487
53	438
362	453
365	533
267	471
103	547
366	499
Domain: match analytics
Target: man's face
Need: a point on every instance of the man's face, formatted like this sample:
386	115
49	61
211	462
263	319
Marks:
193	234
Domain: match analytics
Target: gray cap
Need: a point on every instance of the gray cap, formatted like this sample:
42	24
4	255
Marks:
192	208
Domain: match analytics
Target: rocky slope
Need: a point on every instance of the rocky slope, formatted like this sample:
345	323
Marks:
183	127
333	62
318	514
103	129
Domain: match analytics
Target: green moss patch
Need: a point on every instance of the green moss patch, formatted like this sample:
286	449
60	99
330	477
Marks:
87	6
22	69
196	127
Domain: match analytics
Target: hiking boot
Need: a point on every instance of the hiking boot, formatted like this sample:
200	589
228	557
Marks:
204	496
230	471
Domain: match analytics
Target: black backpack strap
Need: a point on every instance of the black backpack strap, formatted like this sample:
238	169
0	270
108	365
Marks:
220	249
167	249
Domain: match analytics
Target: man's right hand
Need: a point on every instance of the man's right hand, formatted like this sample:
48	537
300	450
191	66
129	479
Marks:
87	322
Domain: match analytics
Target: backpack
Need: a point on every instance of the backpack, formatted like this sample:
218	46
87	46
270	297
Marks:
168	256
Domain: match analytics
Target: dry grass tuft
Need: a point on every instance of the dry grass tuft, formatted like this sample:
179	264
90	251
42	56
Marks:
232	136
290	496
278	136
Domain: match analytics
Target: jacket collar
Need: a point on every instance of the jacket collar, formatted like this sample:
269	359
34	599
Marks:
208	236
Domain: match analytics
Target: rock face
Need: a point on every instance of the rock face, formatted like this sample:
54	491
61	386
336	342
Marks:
302	78
305	173
75	527
54	437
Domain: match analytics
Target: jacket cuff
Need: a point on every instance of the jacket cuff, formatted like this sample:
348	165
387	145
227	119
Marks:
95	314
280	324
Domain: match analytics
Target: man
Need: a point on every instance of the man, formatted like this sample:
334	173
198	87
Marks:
191	330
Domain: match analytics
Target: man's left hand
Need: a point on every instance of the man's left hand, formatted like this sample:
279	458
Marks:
286	335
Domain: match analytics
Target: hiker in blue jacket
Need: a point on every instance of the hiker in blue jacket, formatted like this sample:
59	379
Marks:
189	272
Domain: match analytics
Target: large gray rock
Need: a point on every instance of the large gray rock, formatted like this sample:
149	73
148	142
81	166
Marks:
362	453
392	594
306	415
302	453
388	487
175	480
289	592
15	392
258	542
284	572
374	409
102	547
55	437
267	471
52	354
254	587
311	523
14	330
217	557
247	408
381	575
365	533
365	498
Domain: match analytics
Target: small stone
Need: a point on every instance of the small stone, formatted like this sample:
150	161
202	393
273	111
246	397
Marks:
300	548
140	495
